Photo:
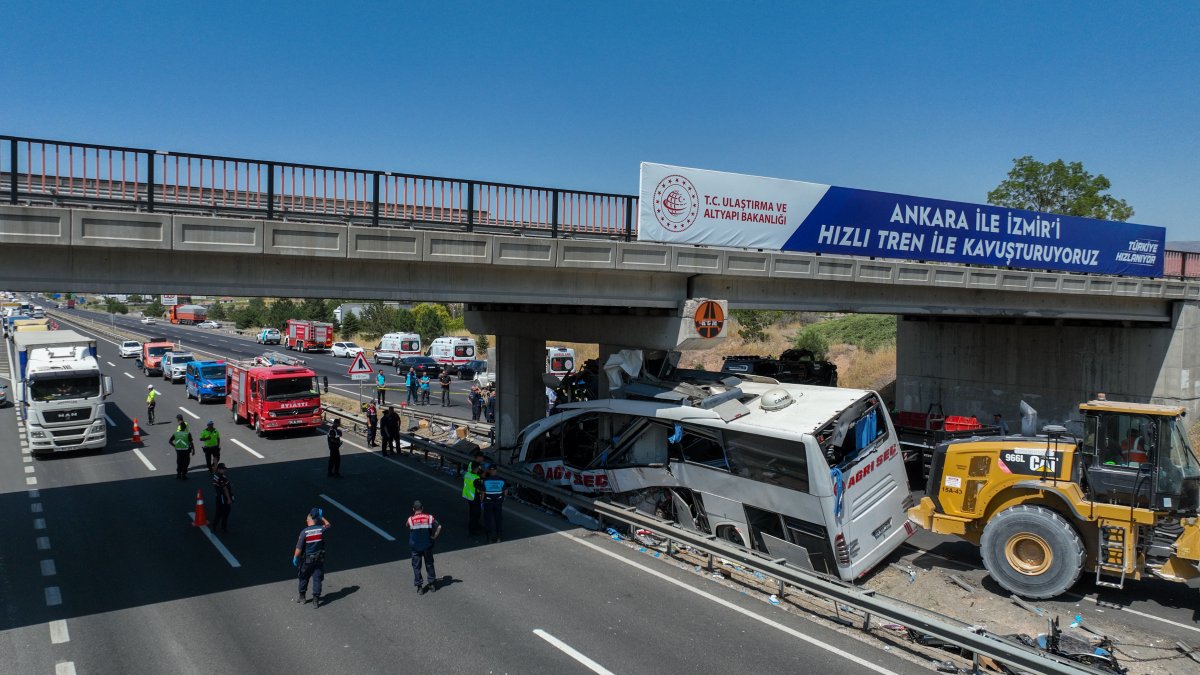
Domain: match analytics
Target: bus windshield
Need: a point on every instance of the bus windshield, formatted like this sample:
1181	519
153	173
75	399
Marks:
287	388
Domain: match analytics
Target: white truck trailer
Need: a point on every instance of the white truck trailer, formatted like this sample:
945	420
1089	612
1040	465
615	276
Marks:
60	391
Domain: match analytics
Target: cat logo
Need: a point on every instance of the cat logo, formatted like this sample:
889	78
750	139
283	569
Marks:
710	319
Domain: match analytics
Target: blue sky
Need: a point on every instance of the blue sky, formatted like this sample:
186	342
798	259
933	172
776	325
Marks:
932	99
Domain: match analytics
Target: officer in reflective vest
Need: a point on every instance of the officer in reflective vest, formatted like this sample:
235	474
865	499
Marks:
471	493
309	556
210	442
493	503
181	441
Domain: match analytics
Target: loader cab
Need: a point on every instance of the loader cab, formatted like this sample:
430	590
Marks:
1139	455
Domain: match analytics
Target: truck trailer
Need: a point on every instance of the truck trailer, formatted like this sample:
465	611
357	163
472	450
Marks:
187	314
61	391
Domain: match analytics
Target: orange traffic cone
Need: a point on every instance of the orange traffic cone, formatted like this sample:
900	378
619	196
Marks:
137	433
201	518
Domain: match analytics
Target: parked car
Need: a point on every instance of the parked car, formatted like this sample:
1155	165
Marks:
130	349
793	365
3	395
268	336
209	324
346	350
423	365
468	370
149	320
174	365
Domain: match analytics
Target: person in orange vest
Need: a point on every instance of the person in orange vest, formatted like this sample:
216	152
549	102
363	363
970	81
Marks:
1134	448
423	531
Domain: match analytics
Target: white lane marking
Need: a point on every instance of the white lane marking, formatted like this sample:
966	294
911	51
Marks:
144	460
359	518
111	364
53	596
48	569
233	562
29	469
43	543
194	415
246	448
27	459
31	481
572	652
704	594
1127	610
110	421
64	668
127	375
35	493
58	632
35	507
39	523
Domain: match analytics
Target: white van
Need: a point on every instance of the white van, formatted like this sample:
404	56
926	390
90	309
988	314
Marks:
394	346
560	360
452	352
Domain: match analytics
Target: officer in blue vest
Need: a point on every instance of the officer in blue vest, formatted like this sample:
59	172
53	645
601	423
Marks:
309	556
493	503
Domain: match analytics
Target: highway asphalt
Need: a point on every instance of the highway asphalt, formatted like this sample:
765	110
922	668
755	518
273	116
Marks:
101	570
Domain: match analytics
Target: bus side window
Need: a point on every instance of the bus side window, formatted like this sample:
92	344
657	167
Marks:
581	440
700	449
768	460
545	446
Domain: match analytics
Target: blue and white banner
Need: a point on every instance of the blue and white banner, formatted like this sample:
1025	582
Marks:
695	206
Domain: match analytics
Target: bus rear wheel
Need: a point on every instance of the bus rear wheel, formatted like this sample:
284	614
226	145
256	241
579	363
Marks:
730	534
1032	551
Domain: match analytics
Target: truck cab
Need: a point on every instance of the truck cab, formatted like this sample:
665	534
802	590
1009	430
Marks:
150	362
272	397
61	392
205	380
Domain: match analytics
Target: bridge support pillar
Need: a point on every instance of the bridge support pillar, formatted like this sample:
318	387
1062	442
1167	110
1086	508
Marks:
521	397
982	367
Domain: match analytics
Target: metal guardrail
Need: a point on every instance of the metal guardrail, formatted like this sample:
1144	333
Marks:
65	172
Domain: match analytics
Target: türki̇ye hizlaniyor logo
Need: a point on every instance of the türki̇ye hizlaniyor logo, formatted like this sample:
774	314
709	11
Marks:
676	203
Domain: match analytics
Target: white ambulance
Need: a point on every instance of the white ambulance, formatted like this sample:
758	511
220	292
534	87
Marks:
394	346
452	352
560	360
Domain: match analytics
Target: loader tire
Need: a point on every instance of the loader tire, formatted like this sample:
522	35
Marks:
1032	551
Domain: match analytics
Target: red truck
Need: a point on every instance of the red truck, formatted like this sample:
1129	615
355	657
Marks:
187	314
272	398
150	362
306	336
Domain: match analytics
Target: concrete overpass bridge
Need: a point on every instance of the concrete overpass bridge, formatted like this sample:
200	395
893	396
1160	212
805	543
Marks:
535	264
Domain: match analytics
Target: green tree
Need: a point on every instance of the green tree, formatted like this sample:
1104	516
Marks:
482	342
135	299
813	340
316	309
282	310
216	312
1058	187
753	323
253	315
350	326
155	309
114	306
430	321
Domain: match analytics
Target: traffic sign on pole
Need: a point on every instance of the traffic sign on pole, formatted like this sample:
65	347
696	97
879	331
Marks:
360	366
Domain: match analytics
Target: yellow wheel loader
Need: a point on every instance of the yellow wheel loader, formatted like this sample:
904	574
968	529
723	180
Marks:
1120	501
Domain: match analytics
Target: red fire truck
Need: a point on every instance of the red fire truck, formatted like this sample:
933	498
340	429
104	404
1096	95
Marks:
272	398
306	336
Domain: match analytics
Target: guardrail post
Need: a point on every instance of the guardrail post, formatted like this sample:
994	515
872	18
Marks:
628	218
12	170
470	207
554	217
270	192
375	200
150	181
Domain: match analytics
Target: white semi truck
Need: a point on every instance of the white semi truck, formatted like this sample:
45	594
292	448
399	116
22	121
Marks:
60	391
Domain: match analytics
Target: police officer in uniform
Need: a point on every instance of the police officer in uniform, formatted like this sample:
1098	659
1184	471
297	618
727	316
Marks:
309	556
493	504
223	498
181	441
334	439
210	442
471	492
423	530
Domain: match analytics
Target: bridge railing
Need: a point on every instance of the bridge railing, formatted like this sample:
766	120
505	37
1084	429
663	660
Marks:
66	173
61	172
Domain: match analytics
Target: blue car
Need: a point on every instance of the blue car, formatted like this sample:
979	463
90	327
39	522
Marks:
205	380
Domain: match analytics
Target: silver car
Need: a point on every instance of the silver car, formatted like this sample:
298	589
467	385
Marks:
174	365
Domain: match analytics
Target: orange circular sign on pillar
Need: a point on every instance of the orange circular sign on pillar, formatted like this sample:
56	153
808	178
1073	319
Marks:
709	319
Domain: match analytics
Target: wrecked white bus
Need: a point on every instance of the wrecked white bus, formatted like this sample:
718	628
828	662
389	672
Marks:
811	474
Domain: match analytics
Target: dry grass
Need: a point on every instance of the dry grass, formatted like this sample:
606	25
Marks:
866	370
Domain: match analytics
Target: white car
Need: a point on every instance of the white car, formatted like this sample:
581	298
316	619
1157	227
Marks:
346	350
174	365
209	324
149	320
130	349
